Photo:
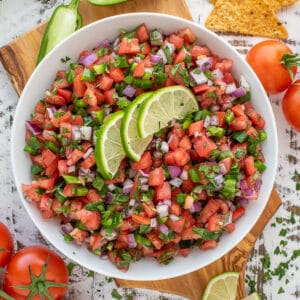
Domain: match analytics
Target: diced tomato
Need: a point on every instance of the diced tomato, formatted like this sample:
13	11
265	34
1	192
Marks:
62	167
189	234
40	108
180	56
163	192
181	157
238	212
200	88
174	142
31	192
105	82
48	157
239	150
78	86
176	40
188	36
207	245
129	46
215	222
89	161
116	74
52	168
225	65
89	96
79	235
209	209
109	96
225	165
230	227
93	196
176	226
252	132
195	127
221	118
197	51
65	129
187	186
141	219
250	169
185	143
175	208
142	33
91	219
204	145
77	120
254	116
155	240
240	123
46	184
139	70
238	110
56	100
66	94
156	177
149	209
169	159
144	163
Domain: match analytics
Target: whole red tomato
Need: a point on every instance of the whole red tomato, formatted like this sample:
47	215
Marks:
291	105
6	245
40	272
274	64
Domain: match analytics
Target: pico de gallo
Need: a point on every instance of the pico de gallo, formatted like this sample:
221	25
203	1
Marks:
191	184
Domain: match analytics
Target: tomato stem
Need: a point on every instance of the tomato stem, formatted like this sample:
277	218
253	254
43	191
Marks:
39	285
290	60
5	296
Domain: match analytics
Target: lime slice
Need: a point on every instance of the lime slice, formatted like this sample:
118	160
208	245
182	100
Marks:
222	287
106	2
133	145
108	149
253	296
166	104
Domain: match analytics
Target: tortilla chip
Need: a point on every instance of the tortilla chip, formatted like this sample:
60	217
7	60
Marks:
252	17
273	4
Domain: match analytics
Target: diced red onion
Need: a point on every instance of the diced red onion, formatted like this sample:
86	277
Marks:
51	111
137	59
177	182
88	59
171	47
155	58
144	173
244	83
219	179
239	92
104	43
164	147
158	39
184	175
109	197
127	186
153	222
162	209
223	169
71	169
167	202
84	171
204	63
91	176
174	171
207	121
229	218
196	207
257	184
143	180
217	74
76	134
34	129
157	154
131	240
88	152
109	235
163	229
215	108
163	56
198	76
173	217
230	88
148	70
129	91
214	120
248	192
116	44
197	134
86	132
145	188
131	173
243	185
67	228
111	187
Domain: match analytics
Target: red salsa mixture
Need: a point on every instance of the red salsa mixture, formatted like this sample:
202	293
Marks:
191	184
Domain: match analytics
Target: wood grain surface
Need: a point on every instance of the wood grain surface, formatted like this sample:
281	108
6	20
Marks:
19	57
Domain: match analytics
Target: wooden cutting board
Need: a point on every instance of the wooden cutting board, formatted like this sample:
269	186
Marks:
19	57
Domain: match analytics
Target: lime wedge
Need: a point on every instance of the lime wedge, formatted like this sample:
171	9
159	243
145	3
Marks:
106	2
222	287
165	105
108	149
253	296
133	145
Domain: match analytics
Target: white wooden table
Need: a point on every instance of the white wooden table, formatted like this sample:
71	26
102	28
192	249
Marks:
18	16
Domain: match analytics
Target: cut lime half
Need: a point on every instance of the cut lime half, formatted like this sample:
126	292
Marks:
133	145
108	149
106	2
253	296
165	105
222	287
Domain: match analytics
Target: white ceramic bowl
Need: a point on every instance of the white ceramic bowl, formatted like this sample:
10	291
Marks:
42	77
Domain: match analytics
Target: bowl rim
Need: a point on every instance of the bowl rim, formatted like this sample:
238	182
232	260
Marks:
128	275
